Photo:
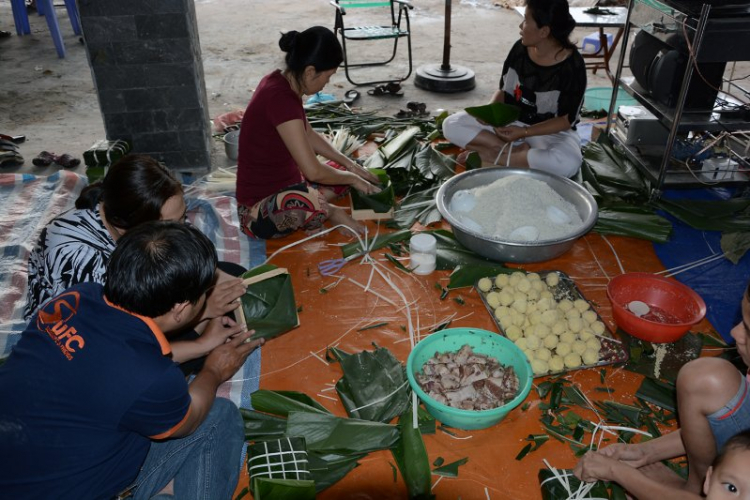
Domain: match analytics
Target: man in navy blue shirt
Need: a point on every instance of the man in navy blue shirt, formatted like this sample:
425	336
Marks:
91	401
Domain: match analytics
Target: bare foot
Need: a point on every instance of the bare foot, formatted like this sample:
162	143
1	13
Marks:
339	216
663	474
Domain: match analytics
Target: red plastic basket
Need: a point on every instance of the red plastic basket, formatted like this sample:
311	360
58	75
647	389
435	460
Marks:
674	306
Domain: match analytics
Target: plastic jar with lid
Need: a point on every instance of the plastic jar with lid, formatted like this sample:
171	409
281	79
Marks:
423	251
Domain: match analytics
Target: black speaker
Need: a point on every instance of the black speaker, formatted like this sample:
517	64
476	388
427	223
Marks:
658	67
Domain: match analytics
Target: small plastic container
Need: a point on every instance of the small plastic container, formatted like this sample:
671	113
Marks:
423	251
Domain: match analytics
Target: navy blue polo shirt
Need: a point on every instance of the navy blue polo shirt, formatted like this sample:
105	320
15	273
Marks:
81	396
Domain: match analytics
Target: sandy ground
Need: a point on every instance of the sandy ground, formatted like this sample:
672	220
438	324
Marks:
53	102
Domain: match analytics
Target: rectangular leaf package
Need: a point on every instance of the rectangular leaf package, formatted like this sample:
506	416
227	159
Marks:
268	306
376	206
101	155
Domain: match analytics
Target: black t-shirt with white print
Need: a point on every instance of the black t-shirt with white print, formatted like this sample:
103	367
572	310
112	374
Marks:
543	92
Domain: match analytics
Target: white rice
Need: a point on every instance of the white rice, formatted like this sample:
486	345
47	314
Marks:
516	208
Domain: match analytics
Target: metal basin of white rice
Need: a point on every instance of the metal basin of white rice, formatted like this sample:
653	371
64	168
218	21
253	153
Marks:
504	250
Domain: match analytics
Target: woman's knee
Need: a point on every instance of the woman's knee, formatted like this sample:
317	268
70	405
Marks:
459	130
710	382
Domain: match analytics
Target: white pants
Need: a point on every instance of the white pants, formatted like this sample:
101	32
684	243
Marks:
558	153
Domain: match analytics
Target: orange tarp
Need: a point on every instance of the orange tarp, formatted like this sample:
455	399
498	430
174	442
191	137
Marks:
294	361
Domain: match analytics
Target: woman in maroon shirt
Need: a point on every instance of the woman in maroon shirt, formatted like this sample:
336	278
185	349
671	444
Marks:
281	185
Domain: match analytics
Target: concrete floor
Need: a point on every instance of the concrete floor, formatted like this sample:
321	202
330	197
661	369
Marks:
53	102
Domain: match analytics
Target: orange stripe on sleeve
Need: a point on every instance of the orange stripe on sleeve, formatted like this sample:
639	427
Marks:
174	429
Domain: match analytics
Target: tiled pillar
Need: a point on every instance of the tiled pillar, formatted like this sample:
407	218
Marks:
146	62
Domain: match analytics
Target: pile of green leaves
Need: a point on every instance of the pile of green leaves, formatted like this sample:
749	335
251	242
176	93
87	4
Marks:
374	391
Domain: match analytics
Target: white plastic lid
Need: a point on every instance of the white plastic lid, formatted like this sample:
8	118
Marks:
423	243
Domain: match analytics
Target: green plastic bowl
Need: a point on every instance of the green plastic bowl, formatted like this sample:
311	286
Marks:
597	98
482	342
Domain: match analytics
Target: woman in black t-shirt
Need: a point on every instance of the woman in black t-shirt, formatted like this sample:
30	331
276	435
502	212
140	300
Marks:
544	75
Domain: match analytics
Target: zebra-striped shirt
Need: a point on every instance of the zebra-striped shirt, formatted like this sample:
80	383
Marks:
74	248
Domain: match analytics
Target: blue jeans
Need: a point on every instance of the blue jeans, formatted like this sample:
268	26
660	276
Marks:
203	464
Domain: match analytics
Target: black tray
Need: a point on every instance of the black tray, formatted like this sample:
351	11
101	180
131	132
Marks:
612	351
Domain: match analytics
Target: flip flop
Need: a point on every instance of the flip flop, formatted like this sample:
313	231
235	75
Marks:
417	108
351	96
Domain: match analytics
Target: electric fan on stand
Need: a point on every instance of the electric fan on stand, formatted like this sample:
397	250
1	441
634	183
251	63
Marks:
445	77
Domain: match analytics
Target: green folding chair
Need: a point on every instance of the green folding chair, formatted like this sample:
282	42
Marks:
391	29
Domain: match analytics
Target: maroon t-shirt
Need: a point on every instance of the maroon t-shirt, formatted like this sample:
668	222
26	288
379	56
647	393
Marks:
265	165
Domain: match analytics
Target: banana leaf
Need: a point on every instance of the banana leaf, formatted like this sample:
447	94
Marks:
268	306
433	164
419	207
261	426
625	219
411	458
329	434
709	215
464	276
497	114
735	245
328	469
283	489
374	385
451	469
381	202
659	393
283	402
611	173
451	254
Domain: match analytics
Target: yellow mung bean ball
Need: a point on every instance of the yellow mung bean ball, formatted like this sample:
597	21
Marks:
585	334
552	279
518	318
542	331
594	343
537	285
501	311
598	327
535	317
543	304
573	313
556	364
565	305
520	343
578	347
539	366
485	284
572	360
501	280
575	324
589	316
551	341
550	317
532	295
493	299
590	357
562	349
513	332
523	285
546	294
533	277
520	305
581	305
568	337
543	354
505	298
505	321
559	328
533	342
515	278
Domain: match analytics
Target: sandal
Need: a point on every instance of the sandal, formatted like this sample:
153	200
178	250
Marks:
390	88
402	113
351	96
417	108
44	159
67	161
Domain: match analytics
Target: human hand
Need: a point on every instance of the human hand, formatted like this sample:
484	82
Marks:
218	331
226	359
365	187
363	172
595	466
511	133
632	454
223	298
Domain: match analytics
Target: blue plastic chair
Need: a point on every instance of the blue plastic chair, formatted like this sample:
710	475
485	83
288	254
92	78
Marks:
47	9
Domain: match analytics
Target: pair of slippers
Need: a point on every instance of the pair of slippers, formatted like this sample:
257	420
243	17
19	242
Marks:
45	159
413	110
390	88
